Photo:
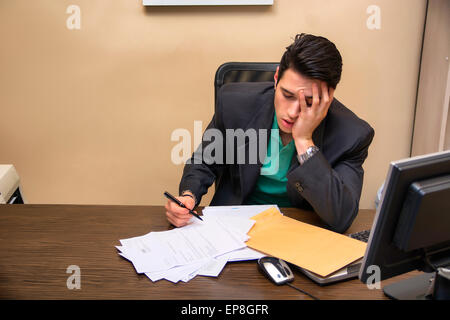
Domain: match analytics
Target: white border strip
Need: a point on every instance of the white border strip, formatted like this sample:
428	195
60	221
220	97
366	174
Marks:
205	2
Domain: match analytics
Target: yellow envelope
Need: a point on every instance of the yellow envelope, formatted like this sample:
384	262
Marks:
316	249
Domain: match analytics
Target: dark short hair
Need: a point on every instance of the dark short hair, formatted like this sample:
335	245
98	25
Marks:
313	57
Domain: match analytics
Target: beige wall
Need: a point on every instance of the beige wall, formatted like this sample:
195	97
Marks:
86	115
432	120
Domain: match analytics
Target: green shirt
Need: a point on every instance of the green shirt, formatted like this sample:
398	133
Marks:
271	185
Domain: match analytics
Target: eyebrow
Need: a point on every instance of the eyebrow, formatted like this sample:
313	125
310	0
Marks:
291	93
287	91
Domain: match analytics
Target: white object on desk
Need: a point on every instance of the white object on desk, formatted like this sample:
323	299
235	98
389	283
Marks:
9	183
200	248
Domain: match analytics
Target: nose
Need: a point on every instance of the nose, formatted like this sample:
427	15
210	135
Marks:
293	110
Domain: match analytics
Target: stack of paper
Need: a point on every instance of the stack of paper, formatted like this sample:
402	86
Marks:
200	248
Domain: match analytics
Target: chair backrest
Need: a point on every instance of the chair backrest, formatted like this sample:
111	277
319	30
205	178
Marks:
243	72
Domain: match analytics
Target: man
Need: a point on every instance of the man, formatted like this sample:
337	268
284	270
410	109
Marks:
321	150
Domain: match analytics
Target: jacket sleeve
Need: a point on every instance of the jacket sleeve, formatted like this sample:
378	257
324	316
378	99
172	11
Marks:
333	192
207	161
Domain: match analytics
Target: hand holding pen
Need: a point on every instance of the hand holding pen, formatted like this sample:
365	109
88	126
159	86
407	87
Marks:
179	209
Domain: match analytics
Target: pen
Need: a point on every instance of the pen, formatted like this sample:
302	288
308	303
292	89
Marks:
178	202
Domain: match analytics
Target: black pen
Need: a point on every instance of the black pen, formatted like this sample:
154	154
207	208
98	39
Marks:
178	202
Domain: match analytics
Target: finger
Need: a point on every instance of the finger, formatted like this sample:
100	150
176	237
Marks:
176	210
177	215
186	217
302	100
315	92
187	201
171	219
174	207
180	214
177	221
325	97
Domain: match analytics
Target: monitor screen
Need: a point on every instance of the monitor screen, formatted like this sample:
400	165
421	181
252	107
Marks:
411	227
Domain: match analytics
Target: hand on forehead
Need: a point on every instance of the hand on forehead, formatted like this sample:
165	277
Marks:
293	83
313	87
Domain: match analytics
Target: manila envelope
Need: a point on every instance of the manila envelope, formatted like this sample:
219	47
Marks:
315	249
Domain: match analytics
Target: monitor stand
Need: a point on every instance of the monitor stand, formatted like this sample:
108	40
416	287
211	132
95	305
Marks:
427	286
415	288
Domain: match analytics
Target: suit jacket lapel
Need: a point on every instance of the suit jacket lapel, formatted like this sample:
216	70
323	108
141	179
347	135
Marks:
248	172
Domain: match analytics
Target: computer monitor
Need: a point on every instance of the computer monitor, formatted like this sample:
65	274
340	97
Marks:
411	230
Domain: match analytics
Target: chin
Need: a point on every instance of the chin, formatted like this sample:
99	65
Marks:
285	131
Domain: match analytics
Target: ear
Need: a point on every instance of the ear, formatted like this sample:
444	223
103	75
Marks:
275	77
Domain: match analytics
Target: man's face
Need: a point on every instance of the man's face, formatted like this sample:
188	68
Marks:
287	103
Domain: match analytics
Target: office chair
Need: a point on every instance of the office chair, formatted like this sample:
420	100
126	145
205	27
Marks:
243	72
10	187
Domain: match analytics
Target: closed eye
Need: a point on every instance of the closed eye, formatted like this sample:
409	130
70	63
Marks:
288	96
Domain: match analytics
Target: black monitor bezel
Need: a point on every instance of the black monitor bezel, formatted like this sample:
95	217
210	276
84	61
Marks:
381	250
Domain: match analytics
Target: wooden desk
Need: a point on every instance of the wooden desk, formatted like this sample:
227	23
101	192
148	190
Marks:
39	242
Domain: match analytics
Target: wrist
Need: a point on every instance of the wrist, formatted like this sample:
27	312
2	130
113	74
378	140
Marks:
310	152
188	193
303	144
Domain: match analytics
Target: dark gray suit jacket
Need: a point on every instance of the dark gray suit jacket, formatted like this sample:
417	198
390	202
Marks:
330	182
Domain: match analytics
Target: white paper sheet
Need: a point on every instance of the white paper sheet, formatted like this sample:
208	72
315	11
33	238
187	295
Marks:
159	251
200	248
213	267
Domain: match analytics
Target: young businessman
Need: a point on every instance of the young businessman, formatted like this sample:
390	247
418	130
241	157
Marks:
322	144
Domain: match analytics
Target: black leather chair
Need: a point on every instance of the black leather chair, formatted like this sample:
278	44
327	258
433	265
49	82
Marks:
243	72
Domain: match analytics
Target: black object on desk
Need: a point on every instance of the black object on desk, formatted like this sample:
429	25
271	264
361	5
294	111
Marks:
411	230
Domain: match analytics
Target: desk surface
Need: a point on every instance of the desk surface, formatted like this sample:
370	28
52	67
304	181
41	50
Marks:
39	242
